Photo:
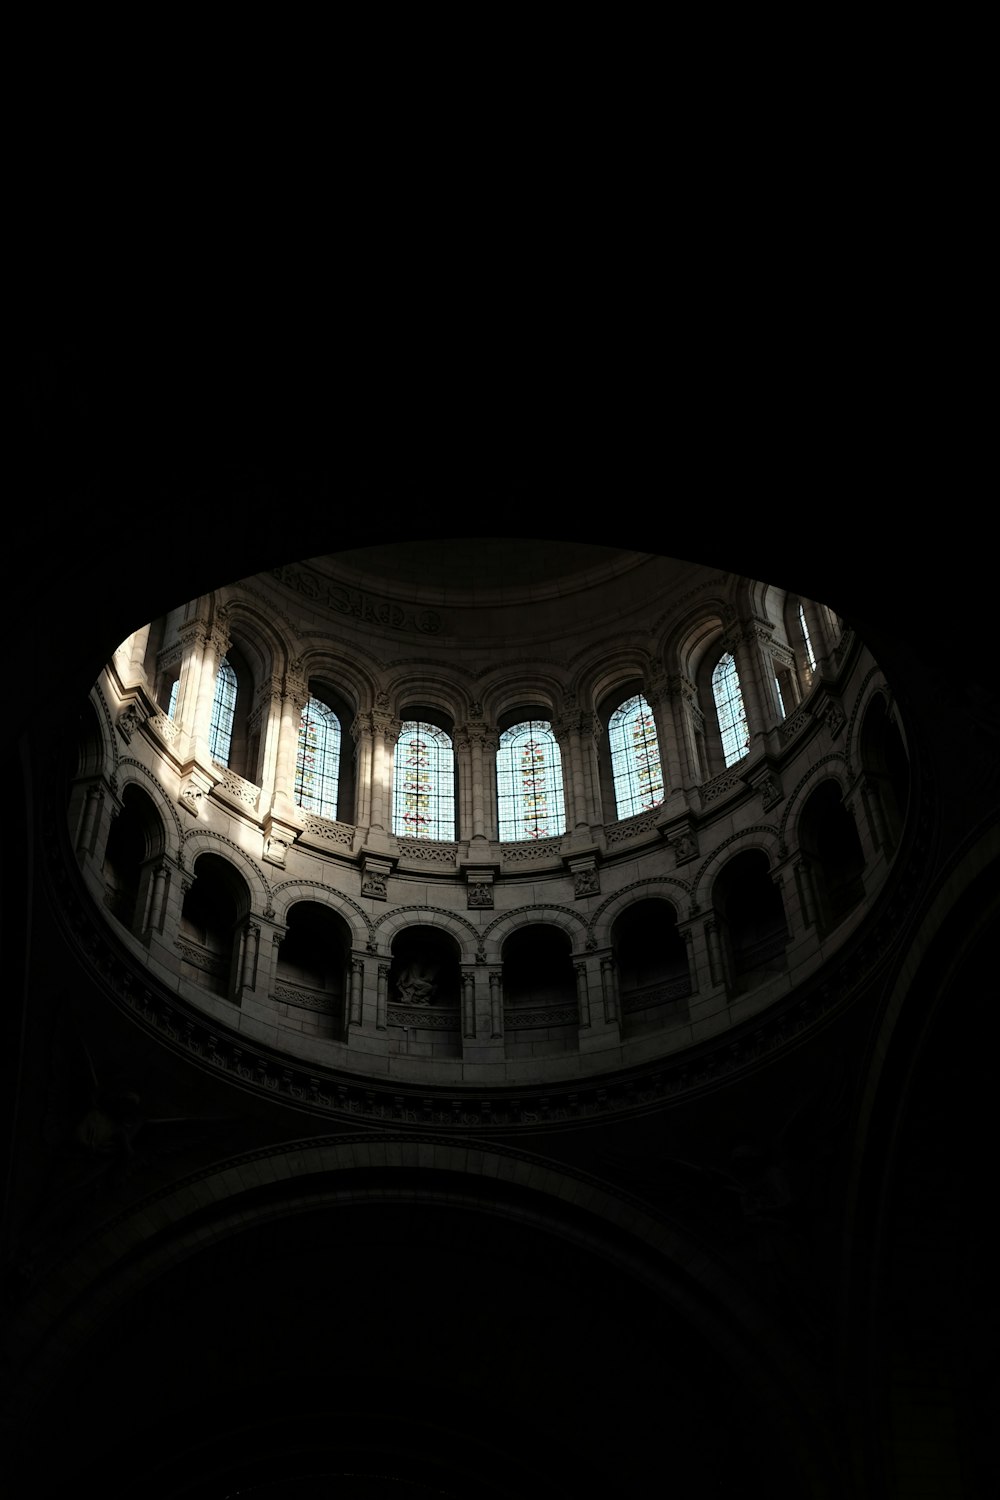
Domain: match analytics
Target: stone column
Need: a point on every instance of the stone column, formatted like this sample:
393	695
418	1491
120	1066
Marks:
385	733
468	1001
567	732
248	970
357	988
137	643
582	992
609	987
157	898
293	701
361	733
203	652
496	1002
716	961
807	891
663	696
482	747
382	997
91	819
463	760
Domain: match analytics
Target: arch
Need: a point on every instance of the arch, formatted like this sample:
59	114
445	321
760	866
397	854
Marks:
133	771
751	921
885	765
135	844
829	844
541	1011
290	892
496	934
217	1205
467	936
214	913
312	967
763	836
831	767
663	887
201	841
504	694
652	965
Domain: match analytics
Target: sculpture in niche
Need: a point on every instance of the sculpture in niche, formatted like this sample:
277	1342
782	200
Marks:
417	983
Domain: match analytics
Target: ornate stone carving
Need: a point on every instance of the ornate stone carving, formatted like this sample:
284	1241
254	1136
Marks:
833	717
326	828
552	1015
479	894
432	850
237	786
794	723
275	850
129	720
684	843
629	828
528	851
586	883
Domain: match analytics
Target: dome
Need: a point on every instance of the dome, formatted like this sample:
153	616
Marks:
486	814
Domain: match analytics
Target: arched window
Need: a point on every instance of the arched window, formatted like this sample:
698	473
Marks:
810	654
423	797
317	764
635	757
729	707
529	783
223	713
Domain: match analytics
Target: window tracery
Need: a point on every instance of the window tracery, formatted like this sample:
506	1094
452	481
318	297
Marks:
730	709
635	758
423	802
223	713
317	762
530	799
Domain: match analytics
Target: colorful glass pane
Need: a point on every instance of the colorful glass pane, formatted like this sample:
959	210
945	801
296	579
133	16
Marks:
729	707
635	758
423	805
223	711
529	783
810	656
317	764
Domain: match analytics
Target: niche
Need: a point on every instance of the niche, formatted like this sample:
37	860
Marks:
651	963
311	974
135	843
425	983
751	919
829	840
212	927
541	1017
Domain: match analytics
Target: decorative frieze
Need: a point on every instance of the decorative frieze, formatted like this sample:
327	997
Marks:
630	828
479	890
326	828
432	851
375	878
524	1019
794	724
237	786
434	1019
528	852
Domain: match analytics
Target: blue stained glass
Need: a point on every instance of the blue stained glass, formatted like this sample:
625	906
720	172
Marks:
223	711
529	783
317	765
423	803
635	758
729	707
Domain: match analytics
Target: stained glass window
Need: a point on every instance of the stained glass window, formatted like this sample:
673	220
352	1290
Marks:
172	705
223	709
317	764
529	783
729	707
635	757
423	798
805	636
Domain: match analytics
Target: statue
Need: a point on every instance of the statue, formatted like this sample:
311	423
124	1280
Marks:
417	982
